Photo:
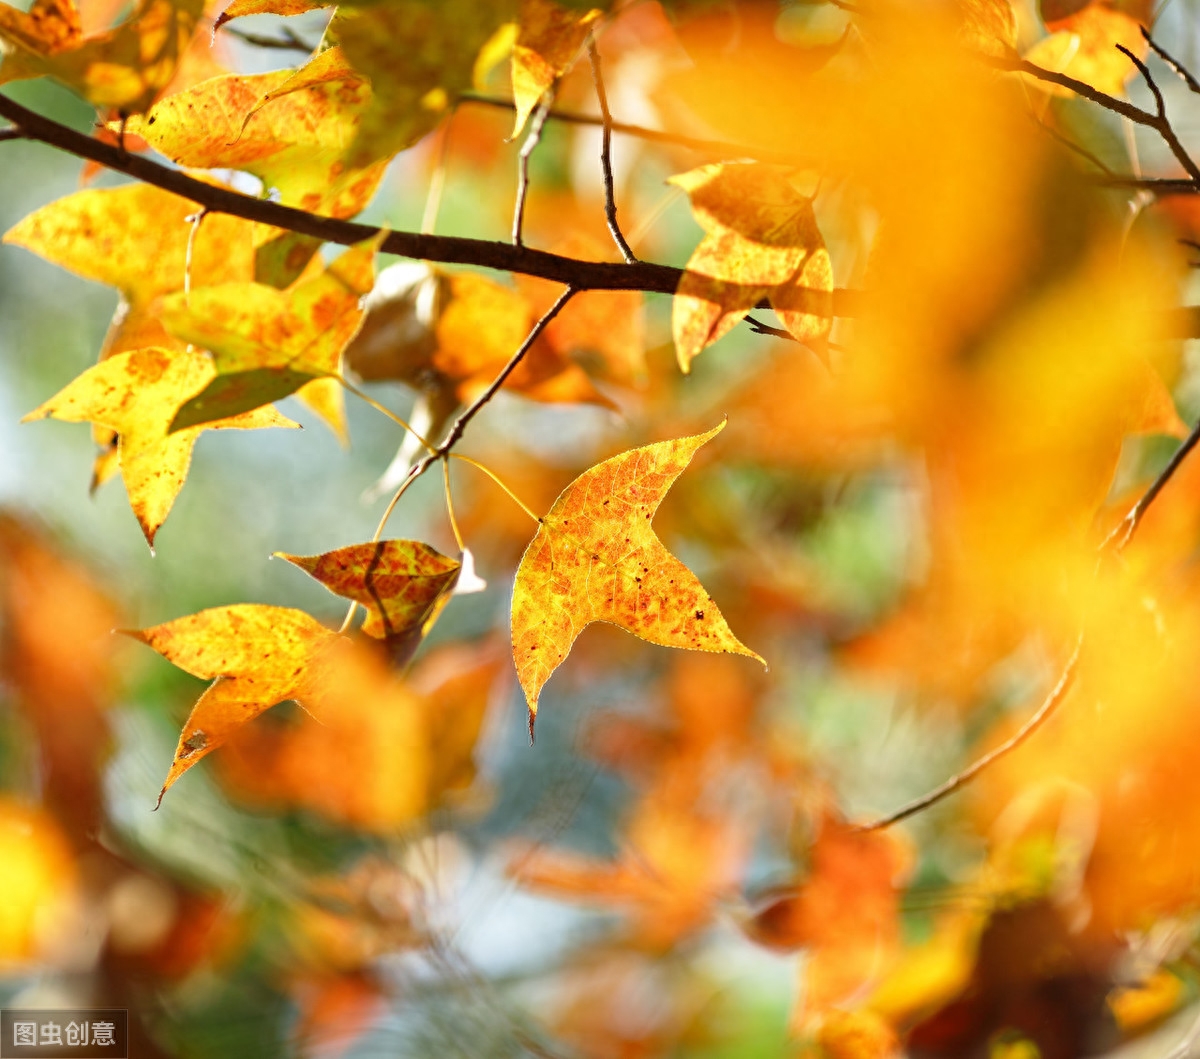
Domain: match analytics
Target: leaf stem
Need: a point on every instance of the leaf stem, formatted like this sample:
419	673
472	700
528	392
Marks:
384	409
500	482
458	537
536	123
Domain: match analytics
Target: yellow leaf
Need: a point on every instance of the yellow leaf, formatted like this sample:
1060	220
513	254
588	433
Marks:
596	558
292	134
548	39
325	398
255	655
39	882
124	68
136	394
762	241
1084	47
268	343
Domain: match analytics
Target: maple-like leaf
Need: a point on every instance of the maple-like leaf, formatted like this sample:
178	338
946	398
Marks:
402	584
762	241
291	134
255	655
136	394
123	69
267	343
548	39
596	558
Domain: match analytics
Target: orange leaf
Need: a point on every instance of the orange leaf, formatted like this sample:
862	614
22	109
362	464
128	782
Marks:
762	241
1084	46
136	394
402	584
255	655
596	558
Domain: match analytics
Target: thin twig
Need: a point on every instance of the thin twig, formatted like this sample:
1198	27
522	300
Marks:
960	779
1162	123
722	148
1078	149
759	328
610	196
536	124
1182	71
1125	529
348	385
500	482
13	133
458	537
1015	64
288	42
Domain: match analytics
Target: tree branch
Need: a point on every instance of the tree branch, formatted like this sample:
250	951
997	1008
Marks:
1162	123
692	143
1015	64
1182	71
536	124
288	42
610	198
1123	532
572	272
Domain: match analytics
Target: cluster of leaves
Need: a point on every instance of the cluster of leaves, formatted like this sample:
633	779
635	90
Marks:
1013	334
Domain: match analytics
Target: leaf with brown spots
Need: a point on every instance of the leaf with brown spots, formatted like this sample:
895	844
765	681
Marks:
268	343
123	69
256	656
402	584
136	394
762	242
597	558
548	39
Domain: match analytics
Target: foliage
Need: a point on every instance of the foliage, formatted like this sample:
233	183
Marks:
936	495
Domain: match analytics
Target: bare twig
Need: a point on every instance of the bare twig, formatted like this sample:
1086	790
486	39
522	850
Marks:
759	328
1182	71
610	197
13	133
573	272
1125	529
288	42
1162	123
536	124
721	148
1078	149
961	779
1015	64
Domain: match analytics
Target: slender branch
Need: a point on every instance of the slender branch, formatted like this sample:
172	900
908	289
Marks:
455	250
1162	123
960	779
348	385
610	196
288	42
1015	64
536	124
1155	185
640	132
459	426
1182	71
14	133
759	328
1127	527
1076	148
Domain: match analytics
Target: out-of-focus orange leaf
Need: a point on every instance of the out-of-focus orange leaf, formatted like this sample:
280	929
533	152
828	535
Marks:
762	241
856	1035
596	558
846	912
1139	1007
124	68
1084	46
255	656
402	584
136	394
39	883
988	25
266	343
548	39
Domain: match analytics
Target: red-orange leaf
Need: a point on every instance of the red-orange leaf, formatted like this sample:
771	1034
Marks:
597	558
548	38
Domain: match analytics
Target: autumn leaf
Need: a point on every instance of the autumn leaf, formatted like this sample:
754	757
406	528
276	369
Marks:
548	39
402	584
136	394
266	343
124	68
762	241
292	135
1083	45
241	8
596	558
255	655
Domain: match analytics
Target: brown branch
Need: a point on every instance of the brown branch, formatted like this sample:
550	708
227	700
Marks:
536	124
692	143
1162	123
288	42
453	250
610	197
12	134
1182	71
1015	64
1123	532
960	779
